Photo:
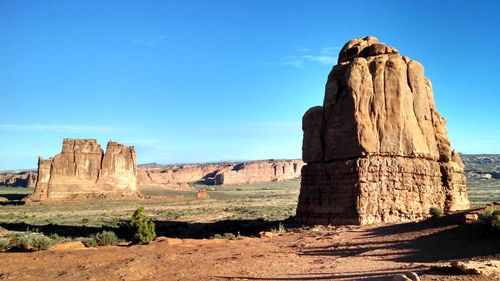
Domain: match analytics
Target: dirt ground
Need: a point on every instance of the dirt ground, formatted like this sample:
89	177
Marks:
316	253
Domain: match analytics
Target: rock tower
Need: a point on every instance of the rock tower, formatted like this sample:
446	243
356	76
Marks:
377	150
82	169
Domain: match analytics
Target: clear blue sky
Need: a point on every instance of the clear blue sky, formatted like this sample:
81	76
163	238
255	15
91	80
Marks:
196	81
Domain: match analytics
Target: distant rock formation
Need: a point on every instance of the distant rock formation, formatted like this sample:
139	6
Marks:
377	150
176	176
255	172
83	170
18	179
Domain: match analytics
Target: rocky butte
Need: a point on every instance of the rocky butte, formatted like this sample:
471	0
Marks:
82	169
377	151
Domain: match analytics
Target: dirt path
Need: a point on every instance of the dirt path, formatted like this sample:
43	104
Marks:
343	253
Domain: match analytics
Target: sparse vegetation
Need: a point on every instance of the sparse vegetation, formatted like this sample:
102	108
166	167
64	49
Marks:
4	244
227	235
89	242
41	242
264	201
106	238
25	241
143	227
435	212
490	220
280	230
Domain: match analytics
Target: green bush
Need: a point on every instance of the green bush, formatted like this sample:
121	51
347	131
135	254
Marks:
227	235
41	242
280	230
58	239
28	241
142	226
435	212
21	242
105	238
4	244
490	220
89	242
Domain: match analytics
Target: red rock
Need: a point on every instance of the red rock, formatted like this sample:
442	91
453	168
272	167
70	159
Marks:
174	176
266	234
377	150
72	245
83	170
202	195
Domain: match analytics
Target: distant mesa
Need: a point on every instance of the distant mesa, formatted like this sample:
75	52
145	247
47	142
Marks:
82	169
377	151
177	176
18	179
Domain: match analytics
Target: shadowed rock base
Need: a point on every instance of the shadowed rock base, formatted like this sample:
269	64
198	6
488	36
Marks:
378	189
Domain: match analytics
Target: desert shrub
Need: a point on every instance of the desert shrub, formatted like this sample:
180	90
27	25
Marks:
40	242
105	238
29	241
142	226
21	242
227	235
89	242
490	220
58	239
4	244
435	212
281	229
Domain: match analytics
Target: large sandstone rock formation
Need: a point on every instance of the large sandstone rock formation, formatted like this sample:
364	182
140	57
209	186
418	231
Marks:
377	150
177	176
82	169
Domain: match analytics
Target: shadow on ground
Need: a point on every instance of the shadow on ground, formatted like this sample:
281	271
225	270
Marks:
366	276
176	229
12	199
433	240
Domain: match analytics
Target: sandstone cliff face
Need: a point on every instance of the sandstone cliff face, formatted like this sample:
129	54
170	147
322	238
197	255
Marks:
377	150
261	171
177	176
82	169
18	179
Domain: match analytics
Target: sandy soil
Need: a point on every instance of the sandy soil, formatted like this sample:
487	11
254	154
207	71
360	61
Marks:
320	253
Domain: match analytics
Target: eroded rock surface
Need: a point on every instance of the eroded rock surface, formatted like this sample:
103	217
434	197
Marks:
83	169
177	176
258	171
377	150
18	179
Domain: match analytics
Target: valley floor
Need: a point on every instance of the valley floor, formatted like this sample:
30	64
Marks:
319	253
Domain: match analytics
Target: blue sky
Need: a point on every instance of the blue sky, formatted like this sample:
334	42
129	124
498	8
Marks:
197	81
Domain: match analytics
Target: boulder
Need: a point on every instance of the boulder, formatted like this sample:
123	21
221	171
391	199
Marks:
377	150
72	245
202	195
